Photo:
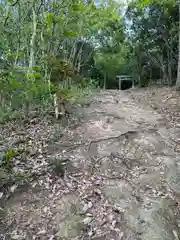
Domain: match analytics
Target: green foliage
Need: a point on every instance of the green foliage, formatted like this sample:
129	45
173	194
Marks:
7	176
6	159
64	45
65	93
17	96
83	82
4	177
8	114
111	59
164	3
154	41
33	75
60	69
57	36
58	166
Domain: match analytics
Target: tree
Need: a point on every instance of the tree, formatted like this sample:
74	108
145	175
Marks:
45	43
165	4
112	52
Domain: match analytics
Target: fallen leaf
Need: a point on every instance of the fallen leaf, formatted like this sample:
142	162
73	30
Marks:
51	238
13	188
87	206
1	194
16	236
42	231
175	234
87	220
178	149
97	191
90	233
121	235
45	209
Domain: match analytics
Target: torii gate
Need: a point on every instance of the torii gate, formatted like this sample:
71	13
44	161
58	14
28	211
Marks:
124	78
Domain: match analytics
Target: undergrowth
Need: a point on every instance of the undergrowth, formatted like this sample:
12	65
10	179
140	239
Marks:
22	99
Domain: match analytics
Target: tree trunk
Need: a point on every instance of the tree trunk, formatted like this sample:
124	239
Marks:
150	75
32	60
169	67
171	61
104	84
178	70
163	69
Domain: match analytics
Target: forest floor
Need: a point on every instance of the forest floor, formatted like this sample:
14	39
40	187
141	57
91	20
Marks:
122	171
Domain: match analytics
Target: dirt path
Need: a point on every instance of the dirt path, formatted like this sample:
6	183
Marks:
122	177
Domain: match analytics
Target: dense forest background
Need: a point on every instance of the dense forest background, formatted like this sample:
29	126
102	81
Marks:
49	46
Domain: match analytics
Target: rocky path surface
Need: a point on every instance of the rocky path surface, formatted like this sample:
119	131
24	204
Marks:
122	177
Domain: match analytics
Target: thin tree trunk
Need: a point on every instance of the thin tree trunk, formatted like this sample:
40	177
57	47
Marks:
168	68
164	71
32	60
150	75
104	84
19	36
171	60
178	70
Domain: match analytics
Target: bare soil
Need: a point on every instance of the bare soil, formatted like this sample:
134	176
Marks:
122	172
